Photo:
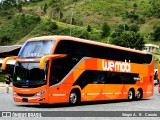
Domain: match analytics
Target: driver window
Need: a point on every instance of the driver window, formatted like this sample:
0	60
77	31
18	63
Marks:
55	75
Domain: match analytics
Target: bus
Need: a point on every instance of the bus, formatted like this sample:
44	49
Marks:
65	69
158	81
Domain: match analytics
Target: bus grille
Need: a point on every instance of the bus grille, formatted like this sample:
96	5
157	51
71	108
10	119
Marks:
25	95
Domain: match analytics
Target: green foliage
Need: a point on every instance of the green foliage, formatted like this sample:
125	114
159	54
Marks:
4	40
48	25
25	20
19	27
10	5
19	7
120	29
102	15
156	34
105	30
141	20
134	28
35	1
89	29
154	8
123	27
132	15
7	4
2	78
129	39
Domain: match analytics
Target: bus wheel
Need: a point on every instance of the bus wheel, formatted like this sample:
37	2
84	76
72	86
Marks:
139	94
74	98
43	104
130	94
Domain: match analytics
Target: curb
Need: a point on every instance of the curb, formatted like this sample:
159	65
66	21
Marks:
4	85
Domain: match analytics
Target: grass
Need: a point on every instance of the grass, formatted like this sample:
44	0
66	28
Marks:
85	12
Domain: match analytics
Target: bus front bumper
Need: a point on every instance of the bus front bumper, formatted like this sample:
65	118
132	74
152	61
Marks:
29	99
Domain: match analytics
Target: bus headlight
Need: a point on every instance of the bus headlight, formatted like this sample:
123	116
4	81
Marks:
14	93
40	93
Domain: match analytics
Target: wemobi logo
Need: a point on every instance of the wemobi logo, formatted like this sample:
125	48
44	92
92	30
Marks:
116	66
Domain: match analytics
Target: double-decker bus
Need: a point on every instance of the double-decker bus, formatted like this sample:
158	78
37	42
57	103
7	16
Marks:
58	69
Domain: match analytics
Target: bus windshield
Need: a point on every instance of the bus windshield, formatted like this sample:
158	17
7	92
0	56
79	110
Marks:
36	48
28	75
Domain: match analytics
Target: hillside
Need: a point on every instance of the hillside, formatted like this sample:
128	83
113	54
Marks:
22	20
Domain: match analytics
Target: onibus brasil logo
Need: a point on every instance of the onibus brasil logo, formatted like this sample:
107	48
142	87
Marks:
116	66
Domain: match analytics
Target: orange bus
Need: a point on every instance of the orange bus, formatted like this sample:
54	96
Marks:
58	69
158	75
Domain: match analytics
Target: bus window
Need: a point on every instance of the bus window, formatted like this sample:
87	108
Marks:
113	78
98	77
28	75
36	49
36	74
56	75
60	68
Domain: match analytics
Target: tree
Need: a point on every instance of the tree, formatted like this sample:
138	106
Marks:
156	34
84	35
48	25
129	39
4	40
154	9
7	4
123	27
89	29
120	29
45	8
19	7
134	27
105	30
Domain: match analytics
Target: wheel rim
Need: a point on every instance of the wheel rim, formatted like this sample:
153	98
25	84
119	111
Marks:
73	98
130	95
138	94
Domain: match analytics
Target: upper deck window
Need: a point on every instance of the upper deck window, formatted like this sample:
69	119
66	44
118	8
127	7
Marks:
89	50
36	49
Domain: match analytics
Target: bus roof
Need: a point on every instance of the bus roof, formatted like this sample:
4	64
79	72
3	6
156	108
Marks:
58	37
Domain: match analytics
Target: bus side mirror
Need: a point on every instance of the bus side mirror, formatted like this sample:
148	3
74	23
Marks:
44	58
4	63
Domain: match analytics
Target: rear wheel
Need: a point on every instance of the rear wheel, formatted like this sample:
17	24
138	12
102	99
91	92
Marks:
44	104
139	94
74	98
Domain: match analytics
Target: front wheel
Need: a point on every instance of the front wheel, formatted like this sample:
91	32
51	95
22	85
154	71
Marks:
73	98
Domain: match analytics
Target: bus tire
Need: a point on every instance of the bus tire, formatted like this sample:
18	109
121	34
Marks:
74	97
139	94
131	94
43	104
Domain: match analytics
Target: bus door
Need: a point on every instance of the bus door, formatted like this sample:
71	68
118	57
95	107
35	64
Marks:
55	78
59	68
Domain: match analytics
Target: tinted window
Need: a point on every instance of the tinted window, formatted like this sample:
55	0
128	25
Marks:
104	77
28	75
61	67
82	49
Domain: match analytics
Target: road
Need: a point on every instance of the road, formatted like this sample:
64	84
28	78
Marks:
149	104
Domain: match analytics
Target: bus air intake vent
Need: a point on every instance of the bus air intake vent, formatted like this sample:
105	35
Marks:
25	95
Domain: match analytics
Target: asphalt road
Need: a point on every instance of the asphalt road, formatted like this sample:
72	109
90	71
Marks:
149	104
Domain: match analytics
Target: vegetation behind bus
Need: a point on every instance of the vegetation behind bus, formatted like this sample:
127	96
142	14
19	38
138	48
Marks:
49	17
